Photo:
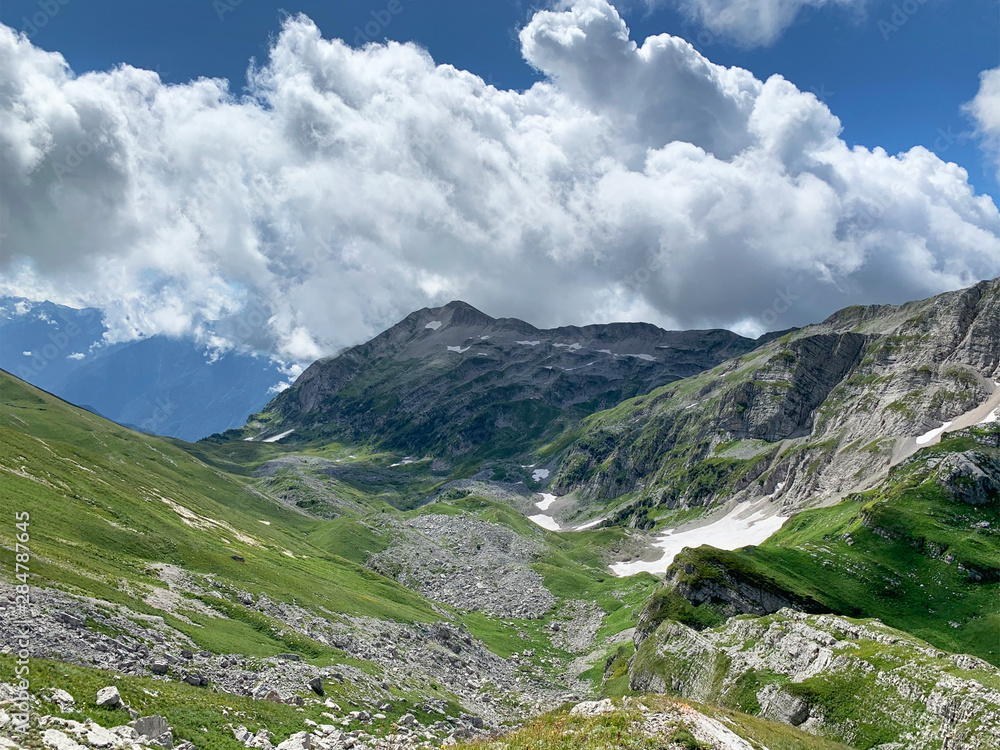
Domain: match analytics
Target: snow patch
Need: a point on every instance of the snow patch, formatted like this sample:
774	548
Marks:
992	417
932	434
276	438
728	532
539	474
266	523
458	349
433	325
546	522
528	343
546	502
572	347
588	525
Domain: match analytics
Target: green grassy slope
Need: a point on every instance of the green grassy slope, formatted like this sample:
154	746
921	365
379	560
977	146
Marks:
106	503
906	552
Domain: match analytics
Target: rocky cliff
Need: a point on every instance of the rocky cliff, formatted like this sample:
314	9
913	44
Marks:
857	681
803	420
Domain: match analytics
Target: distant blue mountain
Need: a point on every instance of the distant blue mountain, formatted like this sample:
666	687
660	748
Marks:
162	385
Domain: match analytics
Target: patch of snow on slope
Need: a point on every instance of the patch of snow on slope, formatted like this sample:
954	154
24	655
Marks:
728	532
588	525
433	325
546	502
458	349
572	347
992	417
528	343
546	522
539	474
932	434
276	438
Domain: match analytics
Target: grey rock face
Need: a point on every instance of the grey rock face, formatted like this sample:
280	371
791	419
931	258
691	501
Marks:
804	419
916	698
970	477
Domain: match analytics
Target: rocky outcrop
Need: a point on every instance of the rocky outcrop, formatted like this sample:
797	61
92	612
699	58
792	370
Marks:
779	402
846	679
730	589
971	477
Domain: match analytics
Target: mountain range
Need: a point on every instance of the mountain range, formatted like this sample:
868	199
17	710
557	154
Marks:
167	386
472	532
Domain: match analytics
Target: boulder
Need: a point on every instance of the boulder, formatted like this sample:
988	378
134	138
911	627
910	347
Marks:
159	667
298	741
99	737
109	697
56	740
62	698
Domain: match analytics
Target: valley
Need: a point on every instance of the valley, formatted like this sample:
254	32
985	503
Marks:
472	532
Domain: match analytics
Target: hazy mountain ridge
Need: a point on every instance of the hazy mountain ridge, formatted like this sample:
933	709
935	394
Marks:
161	385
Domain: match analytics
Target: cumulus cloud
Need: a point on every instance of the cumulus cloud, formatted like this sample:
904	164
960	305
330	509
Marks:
985	110
753	23
351	186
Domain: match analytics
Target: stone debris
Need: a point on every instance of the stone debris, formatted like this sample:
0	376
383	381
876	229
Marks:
468	563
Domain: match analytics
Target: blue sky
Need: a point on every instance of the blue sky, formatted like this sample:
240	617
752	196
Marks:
894	89
347	186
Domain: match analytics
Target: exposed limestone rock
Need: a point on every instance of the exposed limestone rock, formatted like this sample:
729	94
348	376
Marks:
897	684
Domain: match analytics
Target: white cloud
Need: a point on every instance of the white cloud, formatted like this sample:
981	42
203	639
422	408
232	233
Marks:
985	110
352	186
752	23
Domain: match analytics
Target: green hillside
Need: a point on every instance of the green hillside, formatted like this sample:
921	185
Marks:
909	552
